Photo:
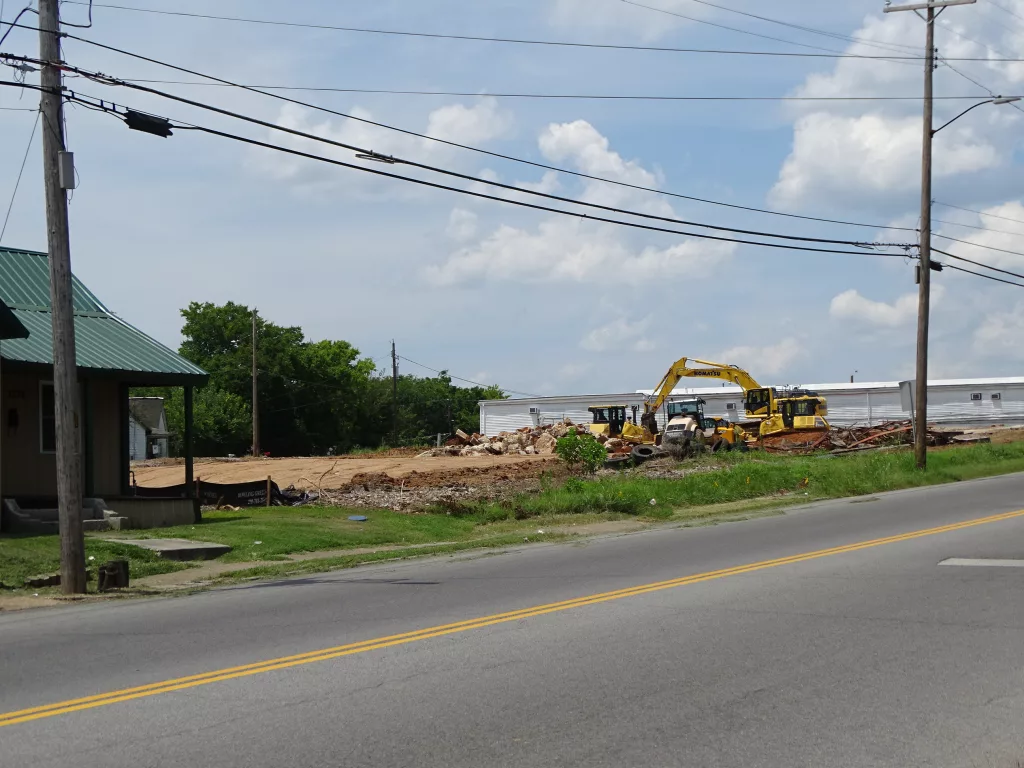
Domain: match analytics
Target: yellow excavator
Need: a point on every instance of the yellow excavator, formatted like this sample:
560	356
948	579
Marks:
779	413
611	421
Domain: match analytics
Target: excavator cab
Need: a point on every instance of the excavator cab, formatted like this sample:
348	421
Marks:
758	402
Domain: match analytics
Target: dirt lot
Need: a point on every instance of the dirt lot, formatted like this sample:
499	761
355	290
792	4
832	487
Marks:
337	472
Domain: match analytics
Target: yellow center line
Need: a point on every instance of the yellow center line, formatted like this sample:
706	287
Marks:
325	654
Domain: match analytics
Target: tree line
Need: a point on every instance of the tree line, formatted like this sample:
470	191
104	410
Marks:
315	397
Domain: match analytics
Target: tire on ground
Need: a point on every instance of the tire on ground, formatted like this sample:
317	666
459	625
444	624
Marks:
642	453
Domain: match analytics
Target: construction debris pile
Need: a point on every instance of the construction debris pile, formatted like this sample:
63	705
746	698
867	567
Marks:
892	433
526	441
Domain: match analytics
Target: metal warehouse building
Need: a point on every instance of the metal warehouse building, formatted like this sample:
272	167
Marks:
953	401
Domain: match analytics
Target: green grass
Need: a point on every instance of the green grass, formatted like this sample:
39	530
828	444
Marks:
730	485
24	556
738	477
289	530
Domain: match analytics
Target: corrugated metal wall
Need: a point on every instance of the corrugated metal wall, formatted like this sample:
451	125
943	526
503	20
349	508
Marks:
947	404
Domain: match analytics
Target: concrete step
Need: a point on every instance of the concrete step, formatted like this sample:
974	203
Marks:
179	549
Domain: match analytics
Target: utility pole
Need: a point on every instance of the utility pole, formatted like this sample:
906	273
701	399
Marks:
394	394
255	394
925	271
65	373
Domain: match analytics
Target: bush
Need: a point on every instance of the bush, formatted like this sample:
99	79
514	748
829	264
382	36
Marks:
581	451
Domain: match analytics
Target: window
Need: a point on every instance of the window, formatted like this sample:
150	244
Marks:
976	397
997	395
730	406
47	418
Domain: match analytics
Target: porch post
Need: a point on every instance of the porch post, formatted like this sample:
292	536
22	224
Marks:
88	433
125	466
190	486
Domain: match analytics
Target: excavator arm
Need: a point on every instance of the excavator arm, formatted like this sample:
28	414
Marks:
757	399
682	369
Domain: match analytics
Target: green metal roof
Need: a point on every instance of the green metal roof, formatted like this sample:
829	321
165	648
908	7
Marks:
10	326
102	340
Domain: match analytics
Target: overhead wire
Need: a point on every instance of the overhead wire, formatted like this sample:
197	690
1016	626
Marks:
369	154
666	49
979	213
975	226
499	155
1004	9
521	203
978	263
835	35
978	245
987	277
21	170
552	96
459	378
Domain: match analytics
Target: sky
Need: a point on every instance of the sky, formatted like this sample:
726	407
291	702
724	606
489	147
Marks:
536	302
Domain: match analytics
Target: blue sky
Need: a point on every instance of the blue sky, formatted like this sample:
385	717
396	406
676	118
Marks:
536	302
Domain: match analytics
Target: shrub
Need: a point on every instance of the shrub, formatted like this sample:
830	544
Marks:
581	451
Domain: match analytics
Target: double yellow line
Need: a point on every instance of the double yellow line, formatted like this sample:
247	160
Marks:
325	654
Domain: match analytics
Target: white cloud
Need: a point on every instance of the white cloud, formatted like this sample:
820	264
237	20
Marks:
476	124
997	233
850	305
623	18
620	334
548	183
1000	335
769	361
462	225
482	122
843	155
582	146
567	250
870	155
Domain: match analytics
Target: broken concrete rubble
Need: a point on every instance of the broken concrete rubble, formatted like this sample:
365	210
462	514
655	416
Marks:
524	441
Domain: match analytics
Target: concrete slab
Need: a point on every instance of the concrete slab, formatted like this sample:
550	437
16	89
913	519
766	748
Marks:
983	562
179	549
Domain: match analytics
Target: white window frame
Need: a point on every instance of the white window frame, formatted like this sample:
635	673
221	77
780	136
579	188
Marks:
997	396
976	397
43	383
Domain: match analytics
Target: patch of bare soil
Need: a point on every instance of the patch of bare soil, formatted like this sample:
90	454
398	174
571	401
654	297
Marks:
337	472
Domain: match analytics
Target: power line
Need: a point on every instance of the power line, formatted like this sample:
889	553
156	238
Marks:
980	213
666	49
979	264
21	170
978	245
553	96
459	378
486	152
110	108
812	30
987	277
369	154
1004	9
975	226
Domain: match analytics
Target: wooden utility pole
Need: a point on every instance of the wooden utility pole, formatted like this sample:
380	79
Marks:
65	374
925	271
394	394
255	394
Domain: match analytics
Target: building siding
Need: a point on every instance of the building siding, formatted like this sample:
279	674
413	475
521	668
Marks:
949	402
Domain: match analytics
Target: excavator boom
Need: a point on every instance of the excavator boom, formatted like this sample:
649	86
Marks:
683	369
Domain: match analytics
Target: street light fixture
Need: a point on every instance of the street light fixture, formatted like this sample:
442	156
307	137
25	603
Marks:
994	100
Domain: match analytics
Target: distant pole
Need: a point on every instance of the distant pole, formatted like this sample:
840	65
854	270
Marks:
925	279
255	394
394	394
65	374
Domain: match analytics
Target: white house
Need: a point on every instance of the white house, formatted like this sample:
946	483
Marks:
147	428
952	401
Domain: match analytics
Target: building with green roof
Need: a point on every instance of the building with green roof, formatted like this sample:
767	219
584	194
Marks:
112	356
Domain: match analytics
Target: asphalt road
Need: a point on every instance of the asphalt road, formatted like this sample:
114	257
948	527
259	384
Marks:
829	636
